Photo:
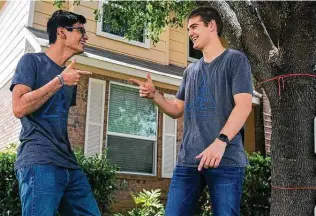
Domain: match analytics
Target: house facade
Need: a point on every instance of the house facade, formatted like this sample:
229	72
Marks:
109	113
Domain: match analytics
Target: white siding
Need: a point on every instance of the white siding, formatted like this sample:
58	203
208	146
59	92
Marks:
14	16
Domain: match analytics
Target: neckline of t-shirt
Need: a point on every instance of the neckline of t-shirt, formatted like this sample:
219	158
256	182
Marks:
54	63
216	59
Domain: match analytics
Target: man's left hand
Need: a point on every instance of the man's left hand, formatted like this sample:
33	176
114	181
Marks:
212	155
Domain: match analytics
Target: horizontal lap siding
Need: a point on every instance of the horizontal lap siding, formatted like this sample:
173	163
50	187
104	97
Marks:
157	53
177	46
13	17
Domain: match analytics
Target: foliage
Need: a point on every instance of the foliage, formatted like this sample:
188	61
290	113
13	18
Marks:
59	3
147	204
9	200
102	178
257	186
100	173
154	15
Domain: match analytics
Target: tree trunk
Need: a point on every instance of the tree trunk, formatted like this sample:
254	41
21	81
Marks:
293	157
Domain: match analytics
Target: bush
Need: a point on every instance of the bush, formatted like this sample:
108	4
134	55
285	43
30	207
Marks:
100	173
257	186
9	200
147	203
256	189
102	178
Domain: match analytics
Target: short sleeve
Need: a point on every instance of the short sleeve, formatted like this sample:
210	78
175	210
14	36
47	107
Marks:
181	91
241	75
25	72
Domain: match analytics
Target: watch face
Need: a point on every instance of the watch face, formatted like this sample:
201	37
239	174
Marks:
223	138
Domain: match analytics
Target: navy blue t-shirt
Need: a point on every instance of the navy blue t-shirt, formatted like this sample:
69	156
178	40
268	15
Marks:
208	91
44	136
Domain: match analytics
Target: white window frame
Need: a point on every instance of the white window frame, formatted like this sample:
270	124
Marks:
99	31
133	136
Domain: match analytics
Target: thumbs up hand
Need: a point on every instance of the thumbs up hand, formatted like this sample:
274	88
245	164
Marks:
71	75
146	89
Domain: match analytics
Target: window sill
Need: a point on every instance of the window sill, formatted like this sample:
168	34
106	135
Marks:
145	45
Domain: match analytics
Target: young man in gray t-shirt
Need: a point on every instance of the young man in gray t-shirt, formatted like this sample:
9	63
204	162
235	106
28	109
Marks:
216	98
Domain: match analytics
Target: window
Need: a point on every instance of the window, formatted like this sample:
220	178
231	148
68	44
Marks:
105	29
193	54
132	130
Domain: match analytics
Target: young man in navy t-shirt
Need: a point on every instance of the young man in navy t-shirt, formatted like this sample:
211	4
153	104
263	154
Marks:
43	90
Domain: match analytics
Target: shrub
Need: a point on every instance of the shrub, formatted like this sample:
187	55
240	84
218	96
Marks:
100	173
147	204
9	199
102	178
257	186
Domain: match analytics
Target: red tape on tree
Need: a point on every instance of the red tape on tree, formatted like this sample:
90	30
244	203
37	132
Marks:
281	79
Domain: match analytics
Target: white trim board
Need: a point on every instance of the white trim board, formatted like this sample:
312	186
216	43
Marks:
30	19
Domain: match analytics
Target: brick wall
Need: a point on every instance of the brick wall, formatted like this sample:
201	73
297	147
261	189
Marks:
134	183
9	125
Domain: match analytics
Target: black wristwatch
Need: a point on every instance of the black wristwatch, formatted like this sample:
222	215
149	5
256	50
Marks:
224	138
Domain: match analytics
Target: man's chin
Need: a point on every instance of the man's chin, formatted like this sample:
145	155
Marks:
78	52
196	47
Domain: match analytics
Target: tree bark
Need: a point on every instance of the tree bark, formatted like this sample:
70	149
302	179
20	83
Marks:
293	157
280	47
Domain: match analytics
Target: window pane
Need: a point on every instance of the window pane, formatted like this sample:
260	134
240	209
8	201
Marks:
131	114
120	30
193	53
131	155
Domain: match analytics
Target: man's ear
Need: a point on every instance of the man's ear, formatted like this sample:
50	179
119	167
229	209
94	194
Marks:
60	31
212	25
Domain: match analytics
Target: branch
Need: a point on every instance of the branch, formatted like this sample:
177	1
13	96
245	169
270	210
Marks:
274	15
255	38
232	31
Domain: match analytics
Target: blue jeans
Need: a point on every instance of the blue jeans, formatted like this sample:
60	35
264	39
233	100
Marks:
187	183
46	189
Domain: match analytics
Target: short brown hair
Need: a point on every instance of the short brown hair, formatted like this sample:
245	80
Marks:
207	14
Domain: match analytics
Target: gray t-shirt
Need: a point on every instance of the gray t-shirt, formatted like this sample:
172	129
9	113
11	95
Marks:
207	90
44	136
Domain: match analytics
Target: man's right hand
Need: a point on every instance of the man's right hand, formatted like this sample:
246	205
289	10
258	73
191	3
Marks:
146	89
71	75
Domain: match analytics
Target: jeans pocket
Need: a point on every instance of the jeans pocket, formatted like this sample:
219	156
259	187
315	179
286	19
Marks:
25	175
20	173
